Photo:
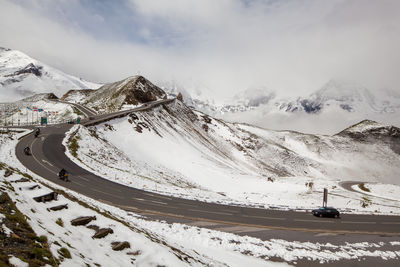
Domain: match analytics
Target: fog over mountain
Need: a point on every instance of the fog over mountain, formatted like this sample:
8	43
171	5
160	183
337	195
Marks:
333	107
223	47
328	110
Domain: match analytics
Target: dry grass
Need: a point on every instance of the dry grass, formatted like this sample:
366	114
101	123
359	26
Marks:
363	188
22	242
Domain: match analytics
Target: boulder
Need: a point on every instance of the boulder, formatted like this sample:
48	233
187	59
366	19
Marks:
102	232
22	180
83	220
180	97
59	207
120	245
47	197
8	173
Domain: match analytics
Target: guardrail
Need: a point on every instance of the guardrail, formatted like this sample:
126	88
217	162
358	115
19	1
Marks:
87	122
24	124
121	114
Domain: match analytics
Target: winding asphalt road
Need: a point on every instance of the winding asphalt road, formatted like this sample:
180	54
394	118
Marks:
48	157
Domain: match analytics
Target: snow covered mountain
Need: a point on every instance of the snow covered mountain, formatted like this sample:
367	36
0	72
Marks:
244	101
347	96
326	111
22	76
123	94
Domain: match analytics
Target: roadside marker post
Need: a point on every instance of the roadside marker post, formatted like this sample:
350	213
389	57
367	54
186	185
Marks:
325	200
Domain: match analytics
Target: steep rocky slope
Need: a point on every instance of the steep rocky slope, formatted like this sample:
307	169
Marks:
123	94
177	150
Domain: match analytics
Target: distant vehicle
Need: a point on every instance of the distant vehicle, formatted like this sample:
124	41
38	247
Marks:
37	132
326	212
27	151
71	122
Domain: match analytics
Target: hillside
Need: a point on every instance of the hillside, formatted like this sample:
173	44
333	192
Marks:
175	150
76	96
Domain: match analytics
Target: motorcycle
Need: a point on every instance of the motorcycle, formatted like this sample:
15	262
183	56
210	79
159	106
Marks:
27	151
63	175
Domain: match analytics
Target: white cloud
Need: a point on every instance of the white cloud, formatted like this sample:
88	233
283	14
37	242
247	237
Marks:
227	46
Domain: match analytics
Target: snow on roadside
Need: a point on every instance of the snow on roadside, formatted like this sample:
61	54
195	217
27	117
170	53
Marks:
78	239
155	239
386	191
148	245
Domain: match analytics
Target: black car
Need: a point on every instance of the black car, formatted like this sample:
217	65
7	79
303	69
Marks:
326	212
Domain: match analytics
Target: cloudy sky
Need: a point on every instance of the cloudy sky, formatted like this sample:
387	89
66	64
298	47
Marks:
292	47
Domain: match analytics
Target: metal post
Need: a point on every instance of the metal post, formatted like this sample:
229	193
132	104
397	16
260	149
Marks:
325	200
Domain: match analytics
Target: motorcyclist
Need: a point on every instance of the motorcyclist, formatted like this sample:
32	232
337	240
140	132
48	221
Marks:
27	150
37	132
63	174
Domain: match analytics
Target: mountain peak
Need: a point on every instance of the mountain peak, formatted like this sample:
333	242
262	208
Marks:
342	91
22	76
128	92
362	126
348	96
4	49
368	129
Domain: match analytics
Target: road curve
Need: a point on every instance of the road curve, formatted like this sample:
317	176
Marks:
348	185
85	110
48	157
